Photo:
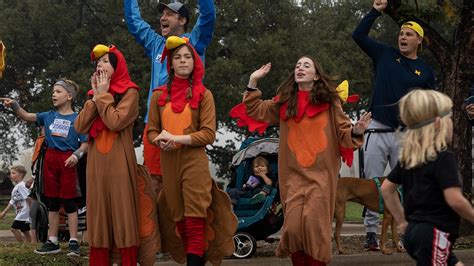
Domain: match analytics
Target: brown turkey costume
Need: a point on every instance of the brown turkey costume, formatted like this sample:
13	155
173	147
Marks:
309	159
195	216
116	185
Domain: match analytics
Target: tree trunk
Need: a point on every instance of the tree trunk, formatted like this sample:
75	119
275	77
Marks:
458	83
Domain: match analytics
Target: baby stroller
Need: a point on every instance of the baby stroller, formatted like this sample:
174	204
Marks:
255	221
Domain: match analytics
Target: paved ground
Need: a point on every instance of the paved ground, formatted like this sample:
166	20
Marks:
467	256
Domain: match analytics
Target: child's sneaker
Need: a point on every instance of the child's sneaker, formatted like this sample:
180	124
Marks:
48	248
73	248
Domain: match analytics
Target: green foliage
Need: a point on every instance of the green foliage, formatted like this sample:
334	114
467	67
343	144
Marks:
49	39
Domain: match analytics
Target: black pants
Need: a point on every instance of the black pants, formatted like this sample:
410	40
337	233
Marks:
428	245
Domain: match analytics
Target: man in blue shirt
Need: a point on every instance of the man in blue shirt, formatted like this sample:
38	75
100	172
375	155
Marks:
173	22
396	72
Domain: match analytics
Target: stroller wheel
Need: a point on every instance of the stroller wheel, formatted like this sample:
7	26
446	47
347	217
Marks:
245	245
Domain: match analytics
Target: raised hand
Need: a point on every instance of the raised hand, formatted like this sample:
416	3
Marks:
94	82
361	125
258	74
103	81
7	101
380	5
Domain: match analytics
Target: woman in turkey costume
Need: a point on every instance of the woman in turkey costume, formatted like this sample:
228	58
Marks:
115	183
314	134
195	216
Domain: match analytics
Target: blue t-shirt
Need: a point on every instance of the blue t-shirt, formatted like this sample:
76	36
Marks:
59	130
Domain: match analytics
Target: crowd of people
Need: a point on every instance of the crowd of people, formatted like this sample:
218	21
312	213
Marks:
173	204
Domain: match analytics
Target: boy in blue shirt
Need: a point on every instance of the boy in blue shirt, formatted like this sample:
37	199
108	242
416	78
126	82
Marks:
396	71
65	148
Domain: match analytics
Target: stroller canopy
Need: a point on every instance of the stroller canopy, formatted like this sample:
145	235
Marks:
266	145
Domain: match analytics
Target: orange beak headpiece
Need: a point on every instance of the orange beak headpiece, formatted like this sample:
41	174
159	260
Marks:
120	81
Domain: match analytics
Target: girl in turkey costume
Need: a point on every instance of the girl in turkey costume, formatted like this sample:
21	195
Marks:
195	216
116	185
314	133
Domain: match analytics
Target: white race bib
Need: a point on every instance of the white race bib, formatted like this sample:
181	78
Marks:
60	127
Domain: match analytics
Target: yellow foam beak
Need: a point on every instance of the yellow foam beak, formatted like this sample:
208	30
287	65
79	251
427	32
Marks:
175	41
343	90
3	56
99	50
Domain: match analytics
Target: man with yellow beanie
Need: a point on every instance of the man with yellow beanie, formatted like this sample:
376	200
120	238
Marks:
396	72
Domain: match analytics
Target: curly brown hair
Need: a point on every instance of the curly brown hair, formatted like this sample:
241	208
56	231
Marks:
323	91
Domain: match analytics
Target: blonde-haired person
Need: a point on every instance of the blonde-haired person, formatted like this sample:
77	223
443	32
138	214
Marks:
428	172
21	225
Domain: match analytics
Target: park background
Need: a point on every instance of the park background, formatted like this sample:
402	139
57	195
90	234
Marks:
49	39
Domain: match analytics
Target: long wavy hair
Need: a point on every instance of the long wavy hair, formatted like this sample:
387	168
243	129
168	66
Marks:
189	93
323	91
421	142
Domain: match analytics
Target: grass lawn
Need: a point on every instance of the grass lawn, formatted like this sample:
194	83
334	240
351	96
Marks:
22	254
353	212
7	221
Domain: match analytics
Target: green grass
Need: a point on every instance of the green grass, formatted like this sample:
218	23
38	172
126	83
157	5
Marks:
353	212
7	221
22	254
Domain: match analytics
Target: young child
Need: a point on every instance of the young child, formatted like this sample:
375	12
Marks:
429	175
112	171
258	185
182	122
65	148
21	224
314	133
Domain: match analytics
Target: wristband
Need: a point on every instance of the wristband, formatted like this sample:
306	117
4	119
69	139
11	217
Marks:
251	88
15	106
354	134
78	154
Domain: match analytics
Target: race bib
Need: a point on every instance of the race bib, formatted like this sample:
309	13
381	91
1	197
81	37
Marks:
60	127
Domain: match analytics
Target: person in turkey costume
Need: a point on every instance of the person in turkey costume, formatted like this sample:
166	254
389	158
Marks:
114	180
314	134
195	216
